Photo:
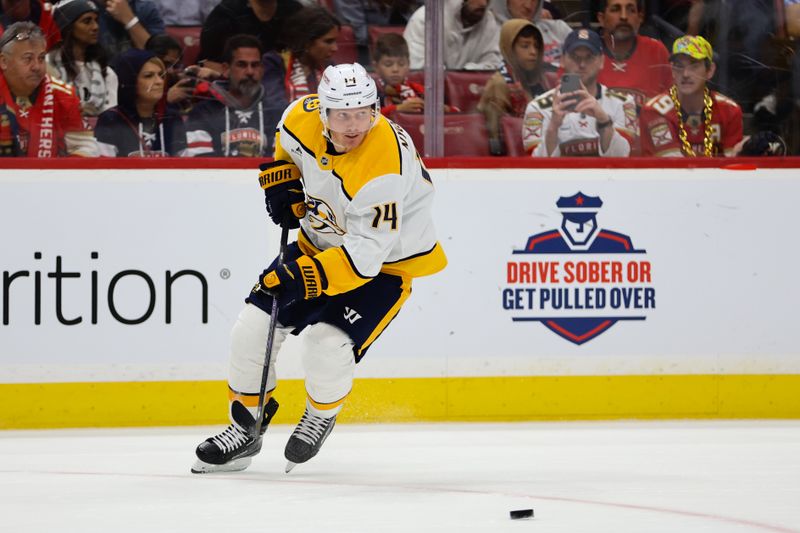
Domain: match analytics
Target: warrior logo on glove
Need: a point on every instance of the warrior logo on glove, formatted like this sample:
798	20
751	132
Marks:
283	192
299	280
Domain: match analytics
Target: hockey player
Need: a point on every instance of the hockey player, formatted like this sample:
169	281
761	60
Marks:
589	121
364	200
691	120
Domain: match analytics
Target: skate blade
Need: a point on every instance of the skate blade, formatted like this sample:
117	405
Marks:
289	466
201	467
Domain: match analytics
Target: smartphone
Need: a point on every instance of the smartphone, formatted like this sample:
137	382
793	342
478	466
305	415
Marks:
570	83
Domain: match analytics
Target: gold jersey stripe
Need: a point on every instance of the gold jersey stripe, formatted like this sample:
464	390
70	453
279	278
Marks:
419	265
415	266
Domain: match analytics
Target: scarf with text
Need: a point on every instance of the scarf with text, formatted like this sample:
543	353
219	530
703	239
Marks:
35	119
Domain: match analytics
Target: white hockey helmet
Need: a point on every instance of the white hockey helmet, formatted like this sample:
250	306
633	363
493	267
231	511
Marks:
347	86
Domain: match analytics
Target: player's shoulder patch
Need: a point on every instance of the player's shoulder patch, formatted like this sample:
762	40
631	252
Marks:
302	124
310	103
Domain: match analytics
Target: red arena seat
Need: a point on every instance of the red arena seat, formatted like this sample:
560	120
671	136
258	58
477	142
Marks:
376	31
348	51
417	76
464	133
189	39
512	135
463	88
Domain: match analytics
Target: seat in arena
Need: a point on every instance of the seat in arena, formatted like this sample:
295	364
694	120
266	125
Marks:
464	133
512	135
463	88
189	39
347	50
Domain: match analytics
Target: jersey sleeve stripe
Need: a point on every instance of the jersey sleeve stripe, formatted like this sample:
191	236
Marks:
353	265
426	252
418	265
339	271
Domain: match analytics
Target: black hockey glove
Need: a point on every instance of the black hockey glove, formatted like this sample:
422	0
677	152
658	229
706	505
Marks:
303	279
283	192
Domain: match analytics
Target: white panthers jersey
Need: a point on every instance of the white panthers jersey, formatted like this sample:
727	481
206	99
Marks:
578	134
369	210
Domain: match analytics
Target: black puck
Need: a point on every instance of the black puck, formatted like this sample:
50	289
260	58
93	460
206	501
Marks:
521	513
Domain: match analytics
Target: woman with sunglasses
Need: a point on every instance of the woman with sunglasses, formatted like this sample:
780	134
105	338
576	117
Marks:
141	125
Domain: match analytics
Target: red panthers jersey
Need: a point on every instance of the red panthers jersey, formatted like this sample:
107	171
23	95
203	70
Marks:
49	124
659	127
643	75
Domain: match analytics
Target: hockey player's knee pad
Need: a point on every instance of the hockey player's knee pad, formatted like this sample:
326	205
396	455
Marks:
248	349
328	361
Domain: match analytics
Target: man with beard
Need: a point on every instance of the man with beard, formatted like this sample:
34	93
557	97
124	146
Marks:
471	36
240	119
591	121
635	64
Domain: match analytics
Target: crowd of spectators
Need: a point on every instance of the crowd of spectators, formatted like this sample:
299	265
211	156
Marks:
614	78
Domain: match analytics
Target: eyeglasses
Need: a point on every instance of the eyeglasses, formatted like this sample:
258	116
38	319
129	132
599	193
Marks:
21	36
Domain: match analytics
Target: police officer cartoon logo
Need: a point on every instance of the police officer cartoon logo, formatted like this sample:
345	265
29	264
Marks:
579	279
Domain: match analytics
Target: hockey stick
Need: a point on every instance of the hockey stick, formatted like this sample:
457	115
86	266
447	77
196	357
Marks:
273	322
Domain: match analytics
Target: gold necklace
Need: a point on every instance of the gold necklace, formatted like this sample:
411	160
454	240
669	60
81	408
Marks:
708	142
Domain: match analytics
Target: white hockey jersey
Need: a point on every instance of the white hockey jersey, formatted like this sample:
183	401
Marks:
369	210
578	134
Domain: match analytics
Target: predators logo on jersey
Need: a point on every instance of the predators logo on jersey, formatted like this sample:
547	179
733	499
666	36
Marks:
322	217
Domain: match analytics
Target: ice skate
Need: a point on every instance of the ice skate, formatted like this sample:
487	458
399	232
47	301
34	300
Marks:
234	448
307	438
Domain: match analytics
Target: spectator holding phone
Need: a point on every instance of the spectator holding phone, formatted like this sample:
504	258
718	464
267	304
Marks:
184	85
580	117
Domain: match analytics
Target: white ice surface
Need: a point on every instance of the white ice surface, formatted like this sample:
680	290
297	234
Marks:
578	477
